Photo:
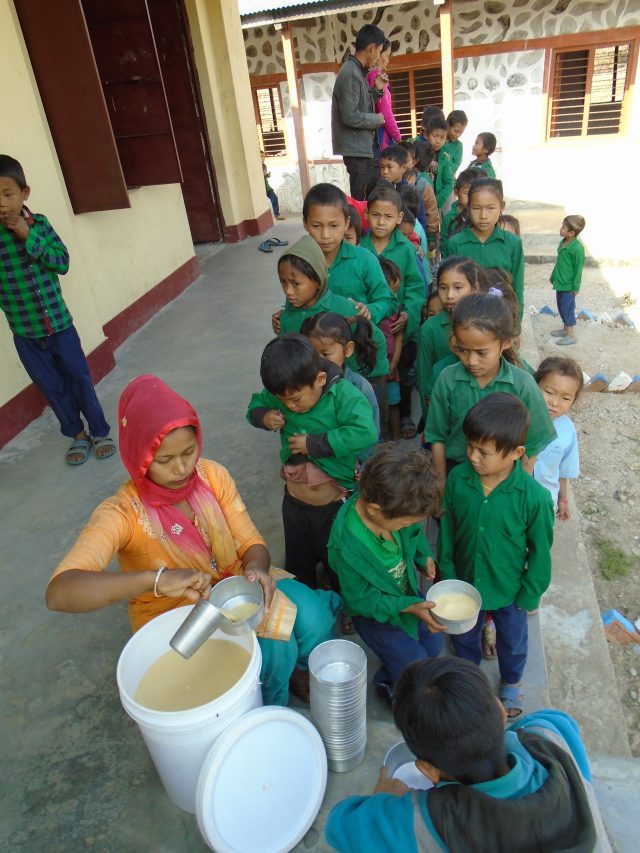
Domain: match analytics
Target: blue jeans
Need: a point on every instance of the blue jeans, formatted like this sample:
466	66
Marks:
566	302
58	366
395	648
512	642
275	204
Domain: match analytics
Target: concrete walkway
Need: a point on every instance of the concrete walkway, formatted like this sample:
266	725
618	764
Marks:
76	775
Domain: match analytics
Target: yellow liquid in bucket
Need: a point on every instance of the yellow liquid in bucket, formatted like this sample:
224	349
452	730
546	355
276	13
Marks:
455	606
175	684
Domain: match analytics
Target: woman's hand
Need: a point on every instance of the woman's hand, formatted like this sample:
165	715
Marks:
421	610
266	582
184	583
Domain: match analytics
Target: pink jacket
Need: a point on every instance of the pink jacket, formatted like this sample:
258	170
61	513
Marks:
389	132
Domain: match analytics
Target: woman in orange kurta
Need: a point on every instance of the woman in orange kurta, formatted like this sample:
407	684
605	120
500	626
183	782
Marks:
177	527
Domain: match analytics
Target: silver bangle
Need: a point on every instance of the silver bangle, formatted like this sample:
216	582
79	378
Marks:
155	583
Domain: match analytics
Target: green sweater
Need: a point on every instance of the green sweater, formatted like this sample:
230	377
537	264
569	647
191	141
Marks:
445	177
291	320
433	345
365	567
455	151
501	542
411	295
355	274
486	167
456	391
342	415
567	273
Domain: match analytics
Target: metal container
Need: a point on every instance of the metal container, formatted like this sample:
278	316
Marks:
400	763
201	622
338	687
455	626
234	591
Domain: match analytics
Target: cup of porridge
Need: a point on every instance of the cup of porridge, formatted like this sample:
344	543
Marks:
457	605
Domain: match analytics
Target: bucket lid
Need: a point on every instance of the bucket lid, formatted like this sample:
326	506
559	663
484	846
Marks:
262	783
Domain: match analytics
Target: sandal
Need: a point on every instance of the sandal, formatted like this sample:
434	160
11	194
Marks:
276	242
79	447
299	685
489	640
407	428
346	625
107	444
512	698
265	247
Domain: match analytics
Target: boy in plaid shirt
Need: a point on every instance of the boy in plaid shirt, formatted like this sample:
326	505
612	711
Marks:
31	257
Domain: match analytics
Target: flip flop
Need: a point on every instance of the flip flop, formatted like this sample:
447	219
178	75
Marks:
81	446
108	443
276	242
566	341
407	428
265	247
512	698
346	625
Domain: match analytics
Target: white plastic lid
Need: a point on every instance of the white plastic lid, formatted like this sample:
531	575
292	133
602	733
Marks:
262	783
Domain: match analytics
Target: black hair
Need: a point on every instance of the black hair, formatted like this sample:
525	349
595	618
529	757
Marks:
401	480
457	117
326	324
410	145
435	123
508	219
448	715
410	198
493	185
466	178
410	173
408	216
386	44
473	272
490	314
11	168
563	366
424	155
385	193
369	34
289	363
489	142
575	223
370	186
390	270
356	221
325	195
430	112
501	418
301	265
397	153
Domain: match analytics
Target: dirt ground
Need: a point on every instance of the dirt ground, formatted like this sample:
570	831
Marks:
608	428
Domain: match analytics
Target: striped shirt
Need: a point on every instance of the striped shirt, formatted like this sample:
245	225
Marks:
30	293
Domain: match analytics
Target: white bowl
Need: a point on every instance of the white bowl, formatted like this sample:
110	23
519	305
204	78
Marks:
455	626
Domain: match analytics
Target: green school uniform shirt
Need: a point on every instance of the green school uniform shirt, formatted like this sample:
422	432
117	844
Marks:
411	293
342	414
500	542
371	582
291	320
433	345
454	150
355	274
486	167
501	249
456	391
567	273
447	223
445	179
450	359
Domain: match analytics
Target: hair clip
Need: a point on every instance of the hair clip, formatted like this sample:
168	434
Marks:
493	291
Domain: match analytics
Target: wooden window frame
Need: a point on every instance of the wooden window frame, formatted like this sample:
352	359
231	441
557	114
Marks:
410	68
270	82
589	44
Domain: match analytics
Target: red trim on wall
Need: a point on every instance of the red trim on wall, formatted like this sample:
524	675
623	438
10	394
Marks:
29	403
248	228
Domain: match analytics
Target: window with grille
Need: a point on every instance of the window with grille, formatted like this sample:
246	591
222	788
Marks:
588	88
270	120
411	92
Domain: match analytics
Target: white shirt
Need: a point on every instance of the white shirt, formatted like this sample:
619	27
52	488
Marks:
558	459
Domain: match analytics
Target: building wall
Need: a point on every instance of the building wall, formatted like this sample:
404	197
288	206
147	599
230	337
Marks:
116	256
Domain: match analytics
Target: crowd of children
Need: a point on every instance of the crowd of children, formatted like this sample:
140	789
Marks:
420	287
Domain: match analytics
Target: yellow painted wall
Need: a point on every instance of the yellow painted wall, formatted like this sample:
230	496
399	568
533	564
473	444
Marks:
116	256
226	94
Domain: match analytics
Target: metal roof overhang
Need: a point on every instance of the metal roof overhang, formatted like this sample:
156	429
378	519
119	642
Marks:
254	13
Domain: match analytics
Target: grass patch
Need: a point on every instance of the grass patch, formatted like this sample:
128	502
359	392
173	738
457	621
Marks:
614	563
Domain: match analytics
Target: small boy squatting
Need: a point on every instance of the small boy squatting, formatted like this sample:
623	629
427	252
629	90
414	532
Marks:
32	256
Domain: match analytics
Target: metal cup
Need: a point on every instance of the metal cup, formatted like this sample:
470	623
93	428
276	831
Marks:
199	625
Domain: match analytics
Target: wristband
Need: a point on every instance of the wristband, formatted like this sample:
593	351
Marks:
155	583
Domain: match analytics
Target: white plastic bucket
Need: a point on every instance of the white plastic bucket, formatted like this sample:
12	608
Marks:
178	741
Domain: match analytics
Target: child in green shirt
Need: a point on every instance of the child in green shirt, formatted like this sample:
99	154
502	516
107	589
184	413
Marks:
376	544
324	424
457	217
567	277
457	122
496	533
441	167
483	148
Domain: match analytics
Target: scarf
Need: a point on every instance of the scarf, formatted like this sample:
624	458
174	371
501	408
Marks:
147	412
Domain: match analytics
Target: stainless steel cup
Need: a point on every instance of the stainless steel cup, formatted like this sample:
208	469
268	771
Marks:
199	625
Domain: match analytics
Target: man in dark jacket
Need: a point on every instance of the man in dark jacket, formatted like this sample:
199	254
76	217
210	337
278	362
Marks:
353	117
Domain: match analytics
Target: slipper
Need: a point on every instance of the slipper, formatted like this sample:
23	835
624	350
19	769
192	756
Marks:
489	640
558	333
265	247
78	446
105	442
566	341
346	625
276	242
407	428
512	698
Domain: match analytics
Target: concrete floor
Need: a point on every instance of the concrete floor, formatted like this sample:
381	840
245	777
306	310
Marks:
76	774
